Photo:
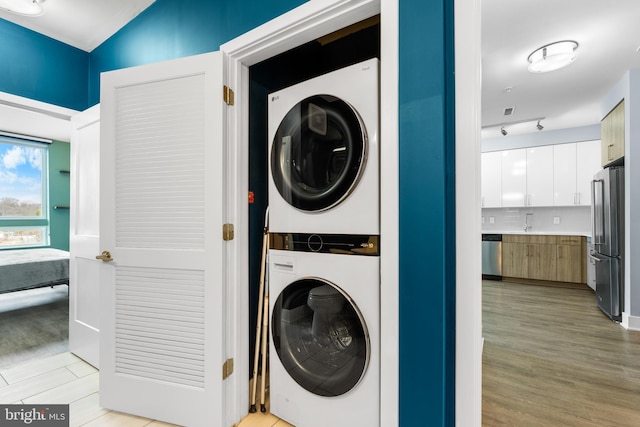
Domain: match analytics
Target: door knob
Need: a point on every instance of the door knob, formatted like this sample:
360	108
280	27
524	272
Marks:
105	256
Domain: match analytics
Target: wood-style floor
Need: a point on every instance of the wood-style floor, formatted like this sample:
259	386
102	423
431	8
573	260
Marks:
551	358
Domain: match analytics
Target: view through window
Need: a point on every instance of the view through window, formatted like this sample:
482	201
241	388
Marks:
23	214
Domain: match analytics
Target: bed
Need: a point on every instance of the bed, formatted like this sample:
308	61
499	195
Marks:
33	268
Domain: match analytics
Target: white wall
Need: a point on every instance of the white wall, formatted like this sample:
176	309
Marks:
628	88
574	220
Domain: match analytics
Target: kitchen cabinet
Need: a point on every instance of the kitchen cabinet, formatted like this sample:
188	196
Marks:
491	179
553	175
569	259
588	164
539	191
544	257
514	177
564	174
514	259
612	129
574	166
542	261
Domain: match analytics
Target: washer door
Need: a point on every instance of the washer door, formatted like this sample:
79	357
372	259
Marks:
320	337
318	153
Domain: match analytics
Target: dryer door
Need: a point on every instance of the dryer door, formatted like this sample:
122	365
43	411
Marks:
318	153
320	337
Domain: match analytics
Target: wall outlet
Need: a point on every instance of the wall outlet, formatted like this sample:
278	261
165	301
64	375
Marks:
492	220
556	220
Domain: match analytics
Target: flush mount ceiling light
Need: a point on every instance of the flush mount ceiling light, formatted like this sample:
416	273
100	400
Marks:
23	7
552	56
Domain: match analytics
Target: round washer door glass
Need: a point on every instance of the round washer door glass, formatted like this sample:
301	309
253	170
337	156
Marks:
320	337
318	153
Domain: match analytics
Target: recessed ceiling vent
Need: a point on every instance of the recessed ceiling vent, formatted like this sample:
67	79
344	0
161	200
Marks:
509	111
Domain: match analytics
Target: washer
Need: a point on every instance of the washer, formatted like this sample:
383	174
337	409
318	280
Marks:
324	154
325	330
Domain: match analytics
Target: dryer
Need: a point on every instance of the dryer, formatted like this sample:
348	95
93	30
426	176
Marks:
325	330
324	153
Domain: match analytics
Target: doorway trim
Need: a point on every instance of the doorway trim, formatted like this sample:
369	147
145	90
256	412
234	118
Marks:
294	28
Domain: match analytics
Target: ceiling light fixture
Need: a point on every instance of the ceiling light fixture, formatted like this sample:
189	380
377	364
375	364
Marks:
539	126
23	7
503	131
552	56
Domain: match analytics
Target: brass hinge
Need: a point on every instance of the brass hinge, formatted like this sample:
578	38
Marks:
227	369
227	95
228	232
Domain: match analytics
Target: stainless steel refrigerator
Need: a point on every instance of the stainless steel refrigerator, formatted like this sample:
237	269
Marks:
607	239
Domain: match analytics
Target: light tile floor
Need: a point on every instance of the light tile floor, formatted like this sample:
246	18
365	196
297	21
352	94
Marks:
66	379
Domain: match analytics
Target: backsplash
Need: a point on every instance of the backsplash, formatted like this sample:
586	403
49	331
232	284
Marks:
570	219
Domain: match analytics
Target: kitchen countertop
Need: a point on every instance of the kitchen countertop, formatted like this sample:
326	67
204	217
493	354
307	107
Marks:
539	233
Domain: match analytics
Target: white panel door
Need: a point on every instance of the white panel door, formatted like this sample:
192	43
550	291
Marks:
84	238
514	177
491	179
564	172
162	207
588	164
540	176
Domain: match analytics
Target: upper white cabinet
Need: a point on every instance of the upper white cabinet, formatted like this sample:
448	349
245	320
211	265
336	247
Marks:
564	175
491	179
574	167
514	178
553	175
539	176
588	164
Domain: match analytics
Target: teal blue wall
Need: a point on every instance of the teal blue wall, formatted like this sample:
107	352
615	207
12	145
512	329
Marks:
59	159
38	67
176	28
427	195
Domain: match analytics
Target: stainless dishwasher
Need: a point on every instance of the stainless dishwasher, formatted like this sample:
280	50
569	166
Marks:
492	256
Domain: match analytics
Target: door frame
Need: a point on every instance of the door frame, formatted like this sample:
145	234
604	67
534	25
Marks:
294	28
306	23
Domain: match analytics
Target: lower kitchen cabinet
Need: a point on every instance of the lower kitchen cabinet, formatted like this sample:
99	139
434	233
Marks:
514	259
542	261
569	262
544	257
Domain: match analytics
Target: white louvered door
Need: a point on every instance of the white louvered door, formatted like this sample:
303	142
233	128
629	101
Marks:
162	210
84	237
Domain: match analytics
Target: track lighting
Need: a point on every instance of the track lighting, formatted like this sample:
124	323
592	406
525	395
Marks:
517	126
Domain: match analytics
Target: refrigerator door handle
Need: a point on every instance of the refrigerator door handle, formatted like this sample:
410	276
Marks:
596	259
597	215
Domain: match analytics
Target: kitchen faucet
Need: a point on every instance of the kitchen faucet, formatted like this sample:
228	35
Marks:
527	222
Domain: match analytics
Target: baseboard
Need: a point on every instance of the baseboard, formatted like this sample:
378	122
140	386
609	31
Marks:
570	285
631	323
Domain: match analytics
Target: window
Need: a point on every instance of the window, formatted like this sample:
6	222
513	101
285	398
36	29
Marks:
24	216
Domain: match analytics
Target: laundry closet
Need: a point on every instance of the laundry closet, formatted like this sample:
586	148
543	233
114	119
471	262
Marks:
306	232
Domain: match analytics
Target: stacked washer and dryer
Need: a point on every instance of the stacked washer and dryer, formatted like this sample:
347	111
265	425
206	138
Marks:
324	263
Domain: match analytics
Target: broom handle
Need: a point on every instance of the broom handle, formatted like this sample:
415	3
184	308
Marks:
265	240
265	330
